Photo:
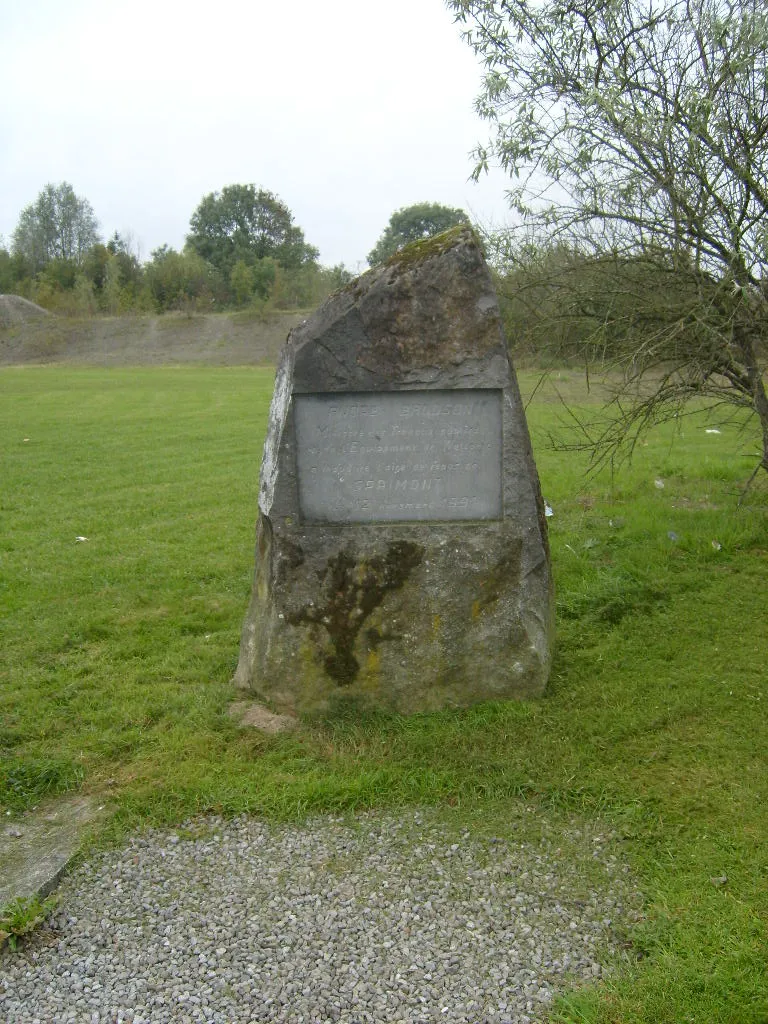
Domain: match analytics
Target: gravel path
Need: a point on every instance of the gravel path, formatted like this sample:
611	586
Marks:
381	919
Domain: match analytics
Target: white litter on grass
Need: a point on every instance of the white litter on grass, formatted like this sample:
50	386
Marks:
81	539
548	510
712	430
25	439
658	484
672	536
717	545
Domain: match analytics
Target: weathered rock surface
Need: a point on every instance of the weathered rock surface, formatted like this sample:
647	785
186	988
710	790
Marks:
37	848
401	554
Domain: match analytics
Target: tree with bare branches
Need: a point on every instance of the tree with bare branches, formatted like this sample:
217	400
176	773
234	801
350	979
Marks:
637	135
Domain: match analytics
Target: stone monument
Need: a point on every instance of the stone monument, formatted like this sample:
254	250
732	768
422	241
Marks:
401	544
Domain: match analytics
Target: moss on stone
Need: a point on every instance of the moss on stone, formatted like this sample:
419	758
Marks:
352	591
426	248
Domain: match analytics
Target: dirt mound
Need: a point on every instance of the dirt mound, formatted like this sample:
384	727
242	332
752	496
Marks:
214	339
15	310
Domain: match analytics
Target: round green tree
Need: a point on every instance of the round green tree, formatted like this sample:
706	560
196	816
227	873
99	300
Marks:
245	224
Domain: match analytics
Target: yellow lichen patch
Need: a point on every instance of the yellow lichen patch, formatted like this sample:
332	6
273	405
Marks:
372	667
361	571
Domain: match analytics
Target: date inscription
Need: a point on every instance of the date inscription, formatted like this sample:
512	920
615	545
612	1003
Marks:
399	455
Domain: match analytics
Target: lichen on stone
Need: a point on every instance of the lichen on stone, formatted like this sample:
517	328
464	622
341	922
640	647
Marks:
427	248
352	589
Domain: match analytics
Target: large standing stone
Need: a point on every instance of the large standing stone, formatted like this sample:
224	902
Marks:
401	552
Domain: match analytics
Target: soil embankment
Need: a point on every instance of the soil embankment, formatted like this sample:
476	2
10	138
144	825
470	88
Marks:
31	335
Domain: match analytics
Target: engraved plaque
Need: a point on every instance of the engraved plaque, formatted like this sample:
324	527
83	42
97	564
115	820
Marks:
405	455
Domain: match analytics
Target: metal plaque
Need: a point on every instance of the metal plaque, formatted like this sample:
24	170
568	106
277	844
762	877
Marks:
399	455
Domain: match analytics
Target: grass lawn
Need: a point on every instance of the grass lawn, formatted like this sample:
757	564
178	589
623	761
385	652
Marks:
116	654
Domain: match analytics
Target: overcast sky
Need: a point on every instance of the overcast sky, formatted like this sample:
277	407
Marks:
346	109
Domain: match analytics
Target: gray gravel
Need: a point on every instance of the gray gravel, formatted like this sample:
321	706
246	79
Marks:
396	918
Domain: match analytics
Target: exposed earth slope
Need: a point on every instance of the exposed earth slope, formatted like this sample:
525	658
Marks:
30	334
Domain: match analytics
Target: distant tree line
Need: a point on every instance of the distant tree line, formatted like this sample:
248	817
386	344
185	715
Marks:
243	250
